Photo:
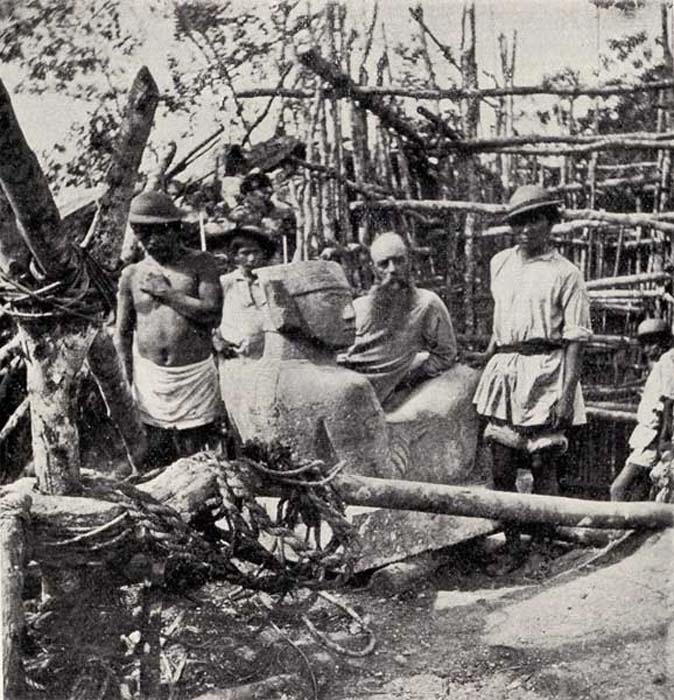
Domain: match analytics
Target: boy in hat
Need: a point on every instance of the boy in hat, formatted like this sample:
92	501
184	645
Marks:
652	435
529	390
167	306
240	332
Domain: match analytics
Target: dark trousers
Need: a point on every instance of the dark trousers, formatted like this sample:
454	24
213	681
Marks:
543	465
166	445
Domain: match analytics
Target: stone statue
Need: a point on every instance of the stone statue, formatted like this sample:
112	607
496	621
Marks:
298	393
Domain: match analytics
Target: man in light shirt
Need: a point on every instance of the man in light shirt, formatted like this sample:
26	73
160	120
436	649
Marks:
240	331
529	391
404	334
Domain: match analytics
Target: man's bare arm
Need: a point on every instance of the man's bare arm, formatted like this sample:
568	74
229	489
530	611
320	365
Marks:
206	307
126	323
573	362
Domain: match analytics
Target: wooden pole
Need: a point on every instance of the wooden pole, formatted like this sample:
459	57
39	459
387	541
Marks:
461	93
14	512
500	505
627	280
122	174
659	221
470	119
489	144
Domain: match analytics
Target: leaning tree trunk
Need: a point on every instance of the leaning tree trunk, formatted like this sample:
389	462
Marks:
105	241
26	189
56	345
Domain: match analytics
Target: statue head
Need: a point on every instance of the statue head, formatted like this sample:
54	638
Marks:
310	298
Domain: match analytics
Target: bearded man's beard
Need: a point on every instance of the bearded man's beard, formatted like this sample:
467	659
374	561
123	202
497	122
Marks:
391	303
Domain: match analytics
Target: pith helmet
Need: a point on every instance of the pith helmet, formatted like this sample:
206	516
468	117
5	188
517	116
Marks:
154	208
653	326
528	198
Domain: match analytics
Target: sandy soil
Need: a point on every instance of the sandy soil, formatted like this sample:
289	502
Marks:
559	627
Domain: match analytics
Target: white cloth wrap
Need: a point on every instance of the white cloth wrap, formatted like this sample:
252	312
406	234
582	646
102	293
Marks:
180	397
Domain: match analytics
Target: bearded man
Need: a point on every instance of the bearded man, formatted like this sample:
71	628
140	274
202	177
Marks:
404	335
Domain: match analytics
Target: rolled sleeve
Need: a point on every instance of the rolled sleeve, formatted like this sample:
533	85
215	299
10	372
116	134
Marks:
576	304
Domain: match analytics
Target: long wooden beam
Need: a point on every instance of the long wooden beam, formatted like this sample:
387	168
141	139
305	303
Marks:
499	505
461	93
487	144
600	144
434	206
658	221
627	280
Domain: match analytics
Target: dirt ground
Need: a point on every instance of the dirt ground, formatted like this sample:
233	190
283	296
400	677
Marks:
570	623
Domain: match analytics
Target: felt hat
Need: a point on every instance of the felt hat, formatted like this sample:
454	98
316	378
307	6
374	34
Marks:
154	208
653	326
255	233
528	198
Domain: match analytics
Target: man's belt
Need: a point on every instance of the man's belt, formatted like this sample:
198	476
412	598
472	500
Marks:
531	347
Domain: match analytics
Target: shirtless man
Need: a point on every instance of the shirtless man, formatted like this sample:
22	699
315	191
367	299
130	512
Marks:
168	304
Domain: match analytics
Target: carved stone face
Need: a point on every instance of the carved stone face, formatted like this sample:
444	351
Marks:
329	316
312	298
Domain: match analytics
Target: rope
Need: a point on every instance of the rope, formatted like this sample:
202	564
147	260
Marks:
85	293
256	551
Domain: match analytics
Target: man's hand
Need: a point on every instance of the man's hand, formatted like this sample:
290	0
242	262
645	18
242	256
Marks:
155	284
476	360
562	412
224	348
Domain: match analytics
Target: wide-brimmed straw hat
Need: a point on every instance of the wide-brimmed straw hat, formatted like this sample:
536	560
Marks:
529	198
154	208
255	233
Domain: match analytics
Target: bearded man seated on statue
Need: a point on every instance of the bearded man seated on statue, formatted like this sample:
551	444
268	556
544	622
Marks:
404	334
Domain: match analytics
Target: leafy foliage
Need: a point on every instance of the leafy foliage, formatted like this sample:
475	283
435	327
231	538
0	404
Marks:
76	49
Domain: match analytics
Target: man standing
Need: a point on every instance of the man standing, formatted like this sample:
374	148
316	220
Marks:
404	335
167	306
240	333
529	390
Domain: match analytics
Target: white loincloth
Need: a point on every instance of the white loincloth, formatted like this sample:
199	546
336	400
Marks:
176	397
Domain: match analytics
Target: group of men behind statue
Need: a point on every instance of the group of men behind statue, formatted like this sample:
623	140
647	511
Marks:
271	330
